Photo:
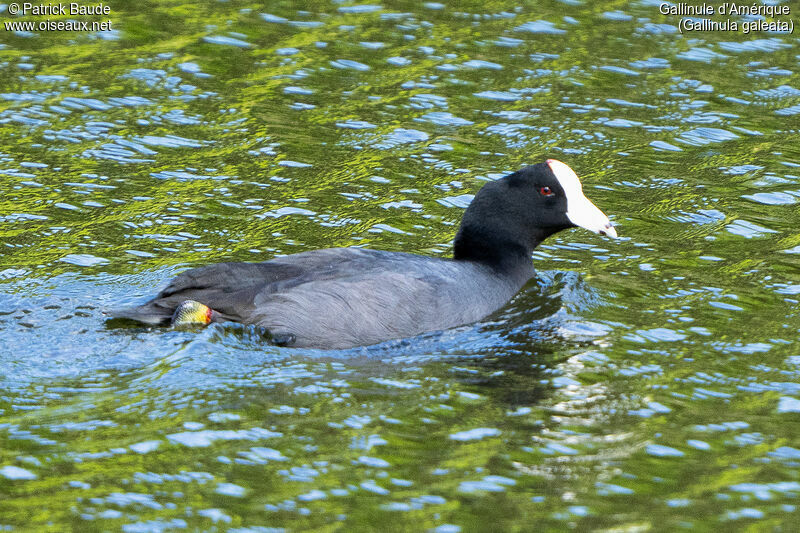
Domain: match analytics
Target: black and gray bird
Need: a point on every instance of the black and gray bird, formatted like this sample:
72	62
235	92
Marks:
344	297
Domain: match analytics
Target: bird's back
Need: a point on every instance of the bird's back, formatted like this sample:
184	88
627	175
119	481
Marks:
339	297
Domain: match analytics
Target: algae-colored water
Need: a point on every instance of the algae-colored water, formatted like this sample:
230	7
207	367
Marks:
649	383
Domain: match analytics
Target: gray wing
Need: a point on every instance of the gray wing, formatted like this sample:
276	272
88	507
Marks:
339	313
231	288
386	304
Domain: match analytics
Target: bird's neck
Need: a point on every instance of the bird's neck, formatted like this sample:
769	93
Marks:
501	251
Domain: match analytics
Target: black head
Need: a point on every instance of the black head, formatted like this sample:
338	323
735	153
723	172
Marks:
509	217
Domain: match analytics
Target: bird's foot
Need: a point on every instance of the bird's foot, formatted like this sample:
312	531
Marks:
191	313
284	339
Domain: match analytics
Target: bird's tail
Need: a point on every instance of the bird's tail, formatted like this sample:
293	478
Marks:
148	313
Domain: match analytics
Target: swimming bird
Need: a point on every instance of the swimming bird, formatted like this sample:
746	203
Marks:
345	297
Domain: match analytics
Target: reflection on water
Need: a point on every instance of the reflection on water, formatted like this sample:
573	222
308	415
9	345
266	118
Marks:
650	382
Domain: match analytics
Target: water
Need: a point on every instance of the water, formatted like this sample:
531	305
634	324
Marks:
645	383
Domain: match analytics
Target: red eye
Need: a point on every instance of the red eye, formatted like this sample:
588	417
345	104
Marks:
546	191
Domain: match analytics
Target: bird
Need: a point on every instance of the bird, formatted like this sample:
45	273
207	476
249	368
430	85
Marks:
338	298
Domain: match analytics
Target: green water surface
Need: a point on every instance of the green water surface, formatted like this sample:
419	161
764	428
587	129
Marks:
648	383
